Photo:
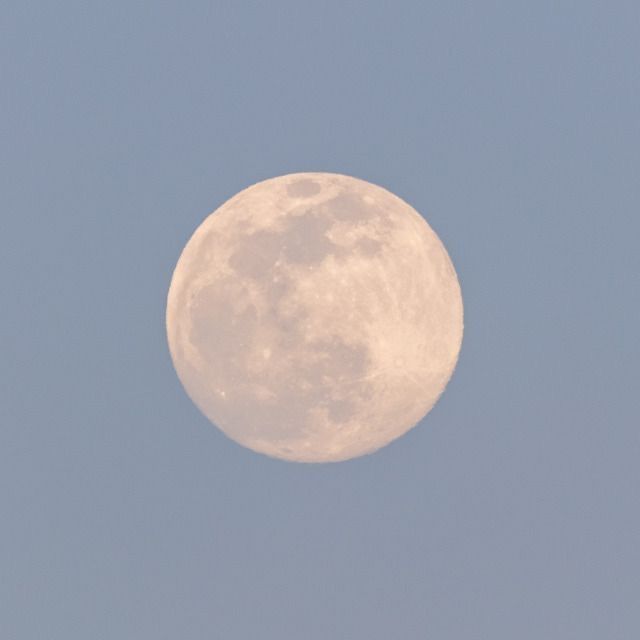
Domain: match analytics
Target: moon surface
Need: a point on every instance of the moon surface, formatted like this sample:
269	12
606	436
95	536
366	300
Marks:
314	317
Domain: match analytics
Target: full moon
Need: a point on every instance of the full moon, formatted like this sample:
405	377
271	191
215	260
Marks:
314	317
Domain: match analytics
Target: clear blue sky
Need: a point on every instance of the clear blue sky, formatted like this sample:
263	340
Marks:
511	511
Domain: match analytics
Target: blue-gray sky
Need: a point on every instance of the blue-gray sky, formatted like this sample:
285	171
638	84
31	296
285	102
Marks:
511	511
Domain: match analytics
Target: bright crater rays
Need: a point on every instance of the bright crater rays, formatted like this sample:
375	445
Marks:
314	317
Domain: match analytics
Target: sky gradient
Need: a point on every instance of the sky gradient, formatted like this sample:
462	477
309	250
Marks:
511	511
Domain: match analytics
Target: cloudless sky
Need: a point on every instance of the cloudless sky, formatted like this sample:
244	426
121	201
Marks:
511	511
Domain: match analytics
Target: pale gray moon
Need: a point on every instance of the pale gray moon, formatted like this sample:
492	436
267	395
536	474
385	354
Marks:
314	317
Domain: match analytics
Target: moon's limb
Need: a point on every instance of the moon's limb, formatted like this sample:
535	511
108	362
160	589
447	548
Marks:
314	317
